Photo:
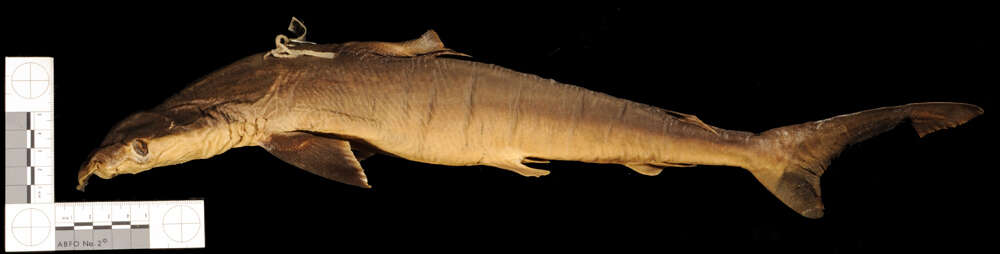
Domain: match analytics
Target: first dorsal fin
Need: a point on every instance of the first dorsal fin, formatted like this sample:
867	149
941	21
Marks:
427	44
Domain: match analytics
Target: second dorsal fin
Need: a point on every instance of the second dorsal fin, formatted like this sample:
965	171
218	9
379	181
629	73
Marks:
427	44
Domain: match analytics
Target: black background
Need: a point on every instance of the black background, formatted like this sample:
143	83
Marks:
737	67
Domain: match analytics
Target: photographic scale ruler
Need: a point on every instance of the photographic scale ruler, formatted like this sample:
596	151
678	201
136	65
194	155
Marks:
34	222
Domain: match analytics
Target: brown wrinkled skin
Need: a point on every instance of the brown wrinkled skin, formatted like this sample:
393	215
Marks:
456	112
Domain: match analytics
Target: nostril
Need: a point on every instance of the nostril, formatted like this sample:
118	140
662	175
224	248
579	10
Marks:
93	167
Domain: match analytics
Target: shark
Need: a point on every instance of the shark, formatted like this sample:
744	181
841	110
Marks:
324	108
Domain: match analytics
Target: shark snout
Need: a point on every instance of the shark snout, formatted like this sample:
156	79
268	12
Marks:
86	170
93	167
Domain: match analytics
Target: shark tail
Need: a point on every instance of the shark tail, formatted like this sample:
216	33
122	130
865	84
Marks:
792	158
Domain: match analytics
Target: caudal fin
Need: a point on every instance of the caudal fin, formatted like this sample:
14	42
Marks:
794	157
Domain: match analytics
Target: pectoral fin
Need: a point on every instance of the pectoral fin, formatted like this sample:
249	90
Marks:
327	157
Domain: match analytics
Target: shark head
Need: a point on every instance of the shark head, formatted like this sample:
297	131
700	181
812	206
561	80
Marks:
147	140
126	149
120	158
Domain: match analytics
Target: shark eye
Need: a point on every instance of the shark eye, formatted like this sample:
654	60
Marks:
139	147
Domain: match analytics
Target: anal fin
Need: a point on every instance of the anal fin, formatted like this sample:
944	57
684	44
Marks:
652	169
675	165
327	157
534	160
645	169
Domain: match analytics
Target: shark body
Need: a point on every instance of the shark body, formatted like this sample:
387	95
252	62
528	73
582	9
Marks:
330	106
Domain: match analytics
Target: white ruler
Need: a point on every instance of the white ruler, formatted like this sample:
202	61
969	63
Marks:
105	225
33	222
